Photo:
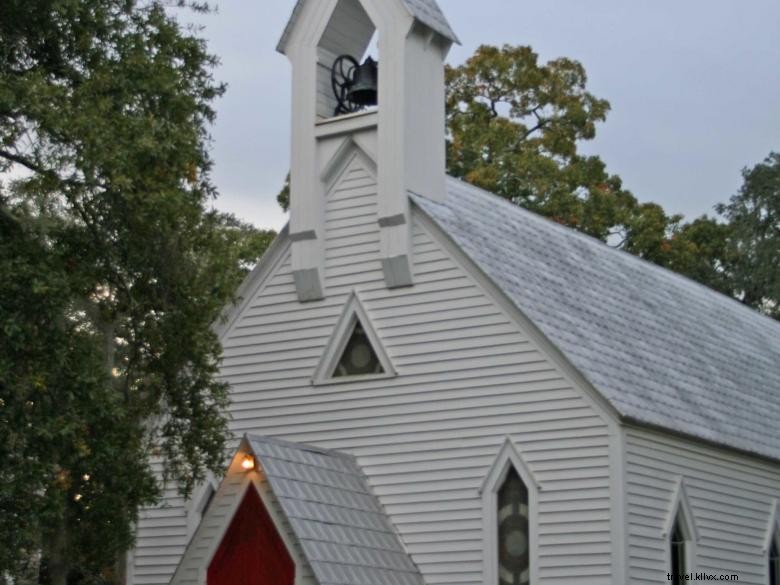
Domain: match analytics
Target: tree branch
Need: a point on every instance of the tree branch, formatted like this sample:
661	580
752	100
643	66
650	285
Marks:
25	162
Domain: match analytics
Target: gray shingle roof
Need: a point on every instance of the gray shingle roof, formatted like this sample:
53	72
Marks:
426	11
662	349
341	526
429	13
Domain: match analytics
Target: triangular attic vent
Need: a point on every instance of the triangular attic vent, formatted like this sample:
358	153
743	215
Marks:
354	349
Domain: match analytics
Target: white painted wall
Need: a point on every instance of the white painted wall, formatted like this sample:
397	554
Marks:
161	537
730	496
469	377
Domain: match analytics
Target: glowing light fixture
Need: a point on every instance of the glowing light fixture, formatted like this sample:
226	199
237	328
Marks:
248	464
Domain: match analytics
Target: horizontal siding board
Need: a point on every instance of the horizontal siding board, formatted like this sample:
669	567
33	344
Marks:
469	377
730	497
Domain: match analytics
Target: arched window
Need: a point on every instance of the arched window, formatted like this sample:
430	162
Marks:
774	561
510	496
677	544
513	534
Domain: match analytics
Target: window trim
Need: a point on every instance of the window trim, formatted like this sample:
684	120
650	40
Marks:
352	313
508	456
775	542
681	509
772	535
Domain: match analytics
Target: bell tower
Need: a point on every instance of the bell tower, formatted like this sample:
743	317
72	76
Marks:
393	111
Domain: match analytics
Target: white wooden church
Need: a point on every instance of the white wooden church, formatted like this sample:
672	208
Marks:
431	386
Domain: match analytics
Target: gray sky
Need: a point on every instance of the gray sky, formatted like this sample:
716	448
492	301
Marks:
694	87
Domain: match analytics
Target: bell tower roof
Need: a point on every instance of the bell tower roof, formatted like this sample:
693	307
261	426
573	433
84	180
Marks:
425	11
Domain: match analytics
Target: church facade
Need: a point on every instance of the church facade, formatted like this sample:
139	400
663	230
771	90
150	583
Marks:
432	386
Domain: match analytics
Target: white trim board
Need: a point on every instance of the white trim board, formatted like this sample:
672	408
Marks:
773	526
680	505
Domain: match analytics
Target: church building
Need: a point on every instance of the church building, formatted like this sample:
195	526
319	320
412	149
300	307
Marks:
432	386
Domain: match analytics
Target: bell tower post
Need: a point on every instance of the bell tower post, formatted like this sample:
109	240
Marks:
404	134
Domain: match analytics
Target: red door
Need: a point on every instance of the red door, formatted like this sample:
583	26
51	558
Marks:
252	552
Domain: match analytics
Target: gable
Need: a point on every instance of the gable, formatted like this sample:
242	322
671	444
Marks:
469	376
210	556
297	515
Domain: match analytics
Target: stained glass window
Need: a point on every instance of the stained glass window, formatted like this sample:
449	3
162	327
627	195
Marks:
359	358
513	536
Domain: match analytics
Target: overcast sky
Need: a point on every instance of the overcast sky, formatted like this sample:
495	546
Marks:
694	87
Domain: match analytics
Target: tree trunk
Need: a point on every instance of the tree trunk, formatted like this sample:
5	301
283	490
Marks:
121	569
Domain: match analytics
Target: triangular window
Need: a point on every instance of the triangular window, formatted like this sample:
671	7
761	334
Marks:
354	350
359	357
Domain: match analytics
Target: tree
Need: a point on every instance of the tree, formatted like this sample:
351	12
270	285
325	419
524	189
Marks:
114	270
754	243
514	126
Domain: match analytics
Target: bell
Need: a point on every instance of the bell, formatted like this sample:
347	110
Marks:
365	82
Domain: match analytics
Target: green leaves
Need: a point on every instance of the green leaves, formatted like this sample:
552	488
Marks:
114	270
514	126
754	242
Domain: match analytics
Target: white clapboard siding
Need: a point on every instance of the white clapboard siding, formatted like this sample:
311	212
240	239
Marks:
468	378
730	496
161	537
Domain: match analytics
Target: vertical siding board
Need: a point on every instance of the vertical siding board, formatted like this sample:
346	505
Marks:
468	378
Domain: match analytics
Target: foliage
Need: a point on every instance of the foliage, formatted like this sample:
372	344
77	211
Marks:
284	195
114	270
514	126
72	453
754	244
